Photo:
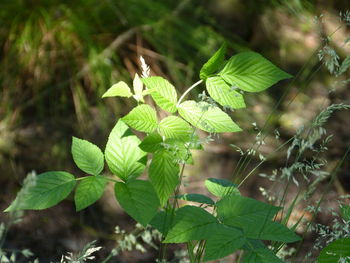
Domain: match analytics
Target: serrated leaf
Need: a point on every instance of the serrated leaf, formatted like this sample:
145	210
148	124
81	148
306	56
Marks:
121	89
335	251
142	118
164	174
89	190
138	199
221	187
214	63
192	223
207	117
198	198
151	143
49	189
251	72
163	93
223	243
123	155
175	127
261	255
87	156
223	94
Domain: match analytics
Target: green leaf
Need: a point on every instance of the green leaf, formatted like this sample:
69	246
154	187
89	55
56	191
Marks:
121	89
207	117
175	127
214	63
198	198
179	150
272	231
142	118
345	212
163	93
335	251
162	221
251	72
240	211
261	255
151	143
164	174
254	218
345	65
89	190
122	153
223	94
223	243
192	223
49	189
87	156
138	199
221	187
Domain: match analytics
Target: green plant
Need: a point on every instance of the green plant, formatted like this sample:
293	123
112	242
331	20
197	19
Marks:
215	228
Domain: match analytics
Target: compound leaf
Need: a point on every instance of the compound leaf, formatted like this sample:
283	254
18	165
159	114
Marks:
48	190
251	72
207	117
87	156
163	92
89	190
142	118
138	199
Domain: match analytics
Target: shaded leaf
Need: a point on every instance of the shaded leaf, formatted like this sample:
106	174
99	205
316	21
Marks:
87	156
223	242
199	198
335	251
151	143
49	189
138	199
89	190
192	223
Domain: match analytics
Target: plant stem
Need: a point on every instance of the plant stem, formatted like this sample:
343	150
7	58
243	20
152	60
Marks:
188	90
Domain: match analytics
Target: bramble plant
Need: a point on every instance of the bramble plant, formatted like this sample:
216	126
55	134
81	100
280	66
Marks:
215	228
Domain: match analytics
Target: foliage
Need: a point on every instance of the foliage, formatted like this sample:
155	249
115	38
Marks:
236	223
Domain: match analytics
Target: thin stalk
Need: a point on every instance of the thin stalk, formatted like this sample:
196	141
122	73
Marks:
188	90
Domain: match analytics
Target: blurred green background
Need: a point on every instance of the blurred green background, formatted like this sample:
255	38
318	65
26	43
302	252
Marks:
57	58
